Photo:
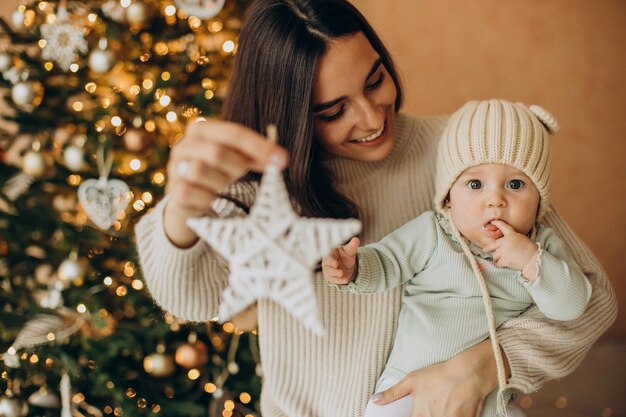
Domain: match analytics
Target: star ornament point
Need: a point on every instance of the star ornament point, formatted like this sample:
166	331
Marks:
272	252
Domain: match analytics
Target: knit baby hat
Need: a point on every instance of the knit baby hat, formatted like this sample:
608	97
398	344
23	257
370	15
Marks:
496	132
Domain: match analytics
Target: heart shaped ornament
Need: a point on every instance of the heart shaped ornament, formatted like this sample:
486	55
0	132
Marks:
104	200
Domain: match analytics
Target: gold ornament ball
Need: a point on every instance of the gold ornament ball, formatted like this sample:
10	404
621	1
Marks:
27	94
13	407
137	140
34	163
192	355
70	270
4	247
158	365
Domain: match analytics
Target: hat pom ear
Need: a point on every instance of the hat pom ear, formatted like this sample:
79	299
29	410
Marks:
546	118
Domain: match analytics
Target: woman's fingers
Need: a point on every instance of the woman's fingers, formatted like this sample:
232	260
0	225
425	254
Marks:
212	155
193	200
199	174
401	389
247	142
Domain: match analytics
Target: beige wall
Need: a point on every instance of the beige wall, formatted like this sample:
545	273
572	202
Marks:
562	54
566	55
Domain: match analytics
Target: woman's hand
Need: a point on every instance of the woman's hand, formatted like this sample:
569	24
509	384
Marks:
212	155
455	388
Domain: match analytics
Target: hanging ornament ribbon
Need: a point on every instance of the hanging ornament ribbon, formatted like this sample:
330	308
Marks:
103	199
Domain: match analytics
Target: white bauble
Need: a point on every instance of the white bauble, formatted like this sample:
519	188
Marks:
23	93
34	164
52	299
45	399
101	61
5	61
13	407
70	270
74	157
233	368
114	10
27	94
18	19
137	13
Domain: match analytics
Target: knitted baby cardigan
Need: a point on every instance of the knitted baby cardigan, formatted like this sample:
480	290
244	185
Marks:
334	375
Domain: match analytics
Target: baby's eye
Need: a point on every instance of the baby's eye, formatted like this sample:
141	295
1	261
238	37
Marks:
516	184
475	184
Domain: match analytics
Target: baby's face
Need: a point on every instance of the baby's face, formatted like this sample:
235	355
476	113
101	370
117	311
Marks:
492	192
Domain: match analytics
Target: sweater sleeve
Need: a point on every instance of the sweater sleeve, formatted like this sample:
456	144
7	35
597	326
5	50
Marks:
561	290
539	349
397	257
186	282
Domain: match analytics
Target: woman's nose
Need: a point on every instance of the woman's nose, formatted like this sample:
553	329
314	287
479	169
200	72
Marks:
370	116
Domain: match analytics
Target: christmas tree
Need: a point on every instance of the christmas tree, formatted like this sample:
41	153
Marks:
96	93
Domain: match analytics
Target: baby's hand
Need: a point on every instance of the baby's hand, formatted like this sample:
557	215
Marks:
514	250
340	266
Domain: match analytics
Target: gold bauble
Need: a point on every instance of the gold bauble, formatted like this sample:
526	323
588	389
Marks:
192	355
158	365
137	140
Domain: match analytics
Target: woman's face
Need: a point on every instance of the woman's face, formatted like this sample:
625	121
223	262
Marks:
353	101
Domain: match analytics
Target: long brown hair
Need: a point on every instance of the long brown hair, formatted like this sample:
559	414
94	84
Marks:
273	79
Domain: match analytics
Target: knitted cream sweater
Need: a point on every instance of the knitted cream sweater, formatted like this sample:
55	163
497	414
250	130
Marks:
334	375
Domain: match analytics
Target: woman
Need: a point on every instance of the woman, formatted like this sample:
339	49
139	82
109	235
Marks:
317	70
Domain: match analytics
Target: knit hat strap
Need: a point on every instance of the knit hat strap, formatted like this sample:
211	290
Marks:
488	310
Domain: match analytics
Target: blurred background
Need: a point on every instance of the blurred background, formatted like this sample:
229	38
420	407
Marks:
564	55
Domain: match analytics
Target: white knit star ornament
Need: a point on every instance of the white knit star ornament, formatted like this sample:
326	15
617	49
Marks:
272	252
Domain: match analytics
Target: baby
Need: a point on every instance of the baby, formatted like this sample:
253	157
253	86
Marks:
481	258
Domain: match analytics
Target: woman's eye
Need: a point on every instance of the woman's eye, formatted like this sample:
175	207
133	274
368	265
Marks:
377	83
330	117
474	184
516	184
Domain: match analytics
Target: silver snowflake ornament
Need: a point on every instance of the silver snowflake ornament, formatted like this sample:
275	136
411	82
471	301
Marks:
63	40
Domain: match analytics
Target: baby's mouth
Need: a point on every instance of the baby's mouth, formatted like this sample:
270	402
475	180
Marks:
492	230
